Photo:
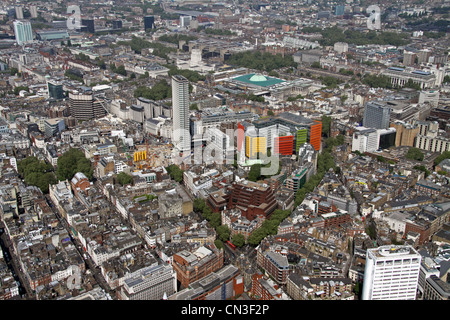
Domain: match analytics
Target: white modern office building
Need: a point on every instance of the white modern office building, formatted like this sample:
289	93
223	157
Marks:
23	32
150	283
391	273
365	140
180	106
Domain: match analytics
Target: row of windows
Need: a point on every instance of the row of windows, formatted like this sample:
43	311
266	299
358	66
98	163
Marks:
396	279
398	261
398	273
400	291
403	290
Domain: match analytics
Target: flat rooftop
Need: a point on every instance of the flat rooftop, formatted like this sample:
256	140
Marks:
392	251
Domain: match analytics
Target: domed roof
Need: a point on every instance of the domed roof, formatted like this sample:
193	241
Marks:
258	78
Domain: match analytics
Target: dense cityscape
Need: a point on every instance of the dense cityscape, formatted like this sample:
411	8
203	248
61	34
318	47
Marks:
235	150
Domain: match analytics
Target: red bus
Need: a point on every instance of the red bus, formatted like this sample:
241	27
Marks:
232	246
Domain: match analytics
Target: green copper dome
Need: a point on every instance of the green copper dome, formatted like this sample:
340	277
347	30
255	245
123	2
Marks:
258	78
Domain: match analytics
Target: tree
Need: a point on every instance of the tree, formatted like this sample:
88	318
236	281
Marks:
215	220
330	82
238	240
270	227
175	39
13	71
255	172
223	232
423	169
274	74
20	88
371	231
175	172
316	64
207	213
357	289
218	244
121	70
199	204
376	81
37	173
101	63
161	90
261	61
255	238
124	178
137	44
326	123
192	76
444	155
411	84
83	57
340	139
279	215
71	162
414	154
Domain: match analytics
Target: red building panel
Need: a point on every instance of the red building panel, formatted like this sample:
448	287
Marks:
316	135
284	145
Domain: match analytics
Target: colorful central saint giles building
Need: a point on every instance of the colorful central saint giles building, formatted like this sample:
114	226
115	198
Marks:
282	134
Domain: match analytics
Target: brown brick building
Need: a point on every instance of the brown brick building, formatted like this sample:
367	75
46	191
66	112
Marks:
79	183
421	227
251	198
263	288
192	266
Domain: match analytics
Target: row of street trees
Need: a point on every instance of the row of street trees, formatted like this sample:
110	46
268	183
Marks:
269	226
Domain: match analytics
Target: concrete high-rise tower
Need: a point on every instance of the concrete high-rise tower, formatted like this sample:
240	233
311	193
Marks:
33	11
19	13
180	106
408	58
84	106
149	22
376	115
391	273
196	57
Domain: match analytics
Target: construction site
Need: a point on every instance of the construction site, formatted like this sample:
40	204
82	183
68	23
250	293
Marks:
147	156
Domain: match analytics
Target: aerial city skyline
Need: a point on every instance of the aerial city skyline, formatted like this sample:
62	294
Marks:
240	150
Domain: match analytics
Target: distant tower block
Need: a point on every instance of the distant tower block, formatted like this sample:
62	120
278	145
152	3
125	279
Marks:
196	57
19	13
33	11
